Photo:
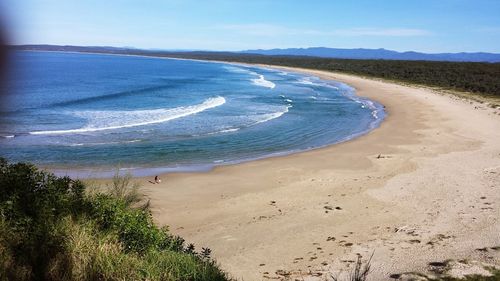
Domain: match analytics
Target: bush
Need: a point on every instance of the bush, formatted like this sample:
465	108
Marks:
51	230
135	227
32	202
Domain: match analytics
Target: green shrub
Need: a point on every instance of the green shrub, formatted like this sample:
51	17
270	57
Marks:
51	230
31	204
134	227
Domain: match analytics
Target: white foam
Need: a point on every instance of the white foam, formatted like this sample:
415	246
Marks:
262	118
220	132
261	81
8	136
236	69
229	130
366	104
104	143
279	72
374	109
307	81
110	120
254	120
288	100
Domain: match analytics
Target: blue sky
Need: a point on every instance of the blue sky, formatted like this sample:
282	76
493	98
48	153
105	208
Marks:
424	25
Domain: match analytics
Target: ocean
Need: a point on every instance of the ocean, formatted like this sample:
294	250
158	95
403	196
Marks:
89	115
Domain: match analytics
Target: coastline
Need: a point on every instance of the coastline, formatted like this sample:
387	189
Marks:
412	187
86	172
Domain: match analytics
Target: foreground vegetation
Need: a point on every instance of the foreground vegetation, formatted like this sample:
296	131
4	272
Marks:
52	228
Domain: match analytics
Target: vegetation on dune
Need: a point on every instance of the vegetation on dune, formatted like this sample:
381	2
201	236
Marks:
52	229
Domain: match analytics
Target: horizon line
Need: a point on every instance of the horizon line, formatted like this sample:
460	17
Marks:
244	50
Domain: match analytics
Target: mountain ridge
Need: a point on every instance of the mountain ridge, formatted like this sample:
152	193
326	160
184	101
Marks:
363	53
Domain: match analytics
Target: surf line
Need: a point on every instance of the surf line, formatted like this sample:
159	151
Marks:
115	118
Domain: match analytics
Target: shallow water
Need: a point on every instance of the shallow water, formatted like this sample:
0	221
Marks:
92	113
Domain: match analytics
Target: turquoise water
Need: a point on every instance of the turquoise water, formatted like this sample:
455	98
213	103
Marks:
90	114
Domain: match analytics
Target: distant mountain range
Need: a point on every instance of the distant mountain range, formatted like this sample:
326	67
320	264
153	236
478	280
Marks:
377	54
323	52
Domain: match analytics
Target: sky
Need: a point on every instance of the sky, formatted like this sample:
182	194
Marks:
228	25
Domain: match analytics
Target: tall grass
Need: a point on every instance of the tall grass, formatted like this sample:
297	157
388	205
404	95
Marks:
124	188
359	272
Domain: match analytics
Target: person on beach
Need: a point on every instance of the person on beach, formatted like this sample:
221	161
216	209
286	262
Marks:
157	179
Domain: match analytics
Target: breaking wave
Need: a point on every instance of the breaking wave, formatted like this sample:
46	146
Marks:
111	120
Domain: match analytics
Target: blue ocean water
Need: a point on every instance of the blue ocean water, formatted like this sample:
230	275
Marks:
90	113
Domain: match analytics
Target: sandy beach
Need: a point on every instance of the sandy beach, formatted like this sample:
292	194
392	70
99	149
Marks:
423	187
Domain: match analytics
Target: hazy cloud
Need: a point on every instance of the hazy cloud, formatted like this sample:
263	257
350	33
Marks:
400	32
261	29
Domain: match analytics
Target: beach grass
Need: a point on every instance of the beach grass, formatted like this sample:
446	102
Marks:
52	229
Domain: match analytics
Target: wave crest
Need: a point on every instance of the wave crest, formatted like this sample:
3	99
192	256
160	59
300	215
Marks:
261	81
110	120
262	118
252	121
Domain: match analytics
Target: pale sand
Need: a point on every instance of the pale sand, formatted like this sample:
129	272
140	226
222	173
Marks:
433	195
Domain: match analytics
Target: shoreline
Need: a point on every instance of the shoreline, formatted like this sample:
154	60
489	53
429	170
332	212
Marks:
103	173
412	187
